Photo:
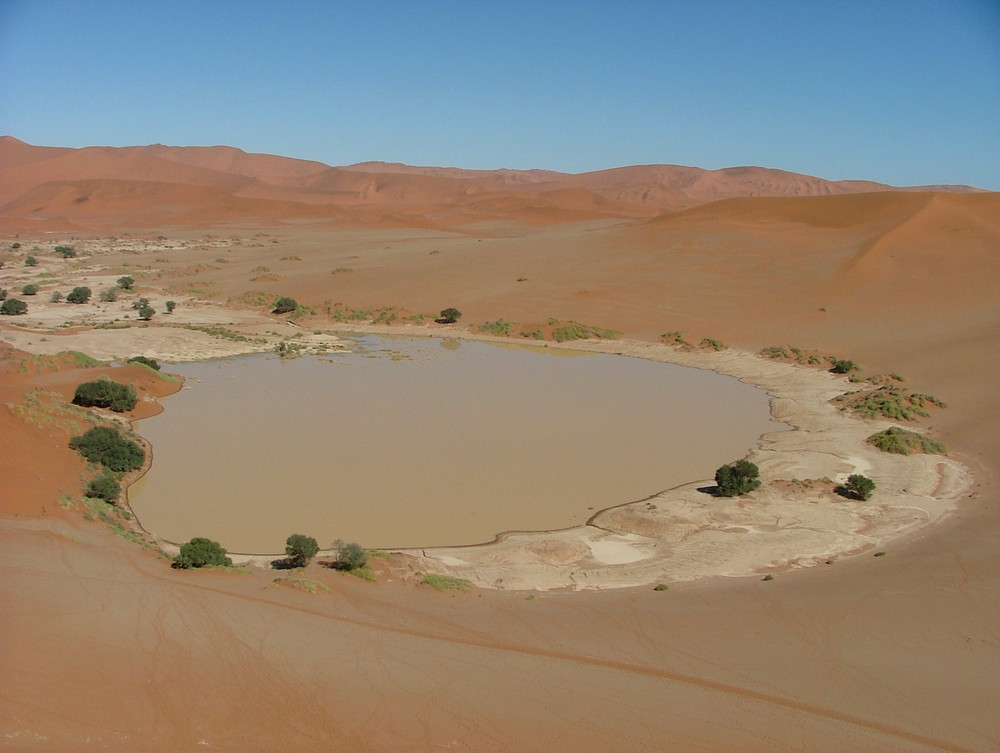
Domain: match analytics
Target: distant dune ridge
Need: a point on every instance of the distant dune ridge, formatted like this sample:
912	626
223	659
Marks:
96	188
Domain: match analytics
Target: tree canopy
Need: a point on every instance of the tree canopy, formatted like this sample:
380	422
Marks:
349	556
104	487
105	393
737	478
13	307
201	552
450	315
104	445
859	487
79	294
285	305
300	549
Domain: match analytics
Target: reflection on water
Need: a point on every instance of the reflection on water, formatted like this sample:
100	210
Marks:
417	442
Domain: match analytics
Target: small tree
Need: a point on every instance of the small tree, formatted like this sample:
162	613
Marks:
109	296
29	289
737	478
104	445
171	305
348	556
104	487
66	252
79	295
300	549
13	307
104	393
145	361
146	313
200	552
859	487
31	261
843	366
450	315
139	303
285	305
125	283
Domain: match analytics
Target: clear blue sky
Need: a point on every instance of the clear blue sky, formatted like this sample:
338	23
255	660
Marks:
904	92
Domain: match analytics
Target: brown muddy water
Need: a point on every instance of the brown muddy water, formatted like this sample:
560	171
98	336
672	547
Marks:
425	442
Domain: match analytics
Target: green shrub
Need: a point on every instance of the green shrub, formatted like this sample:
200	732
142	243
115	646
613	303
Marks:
201	552
708	342
285	305
146	313
446	582
903	442
300	549
150	362
349	556
896	403
450	315
13	307
737	478
171	305
500	327
79	294
66	252
568	332
29	289
104	487
126	283
104	393
104	445
31	261
858	486
843	366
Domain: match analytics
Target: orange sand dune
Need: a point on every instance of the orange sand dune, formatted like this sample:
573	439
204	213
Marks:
107	648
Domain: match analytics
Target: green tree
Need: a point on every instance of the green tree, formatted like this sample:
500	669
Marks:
146	313
171	305
737	478
285	305
843	366
104	445
348	556
300	549
105	393
859	487
104	487
126	283
79	294
139	303
150	362
29	289
13	307
450	315
201	552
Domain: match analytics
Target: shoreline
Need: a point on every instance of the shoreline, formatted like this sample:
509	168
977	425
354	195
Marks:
684	534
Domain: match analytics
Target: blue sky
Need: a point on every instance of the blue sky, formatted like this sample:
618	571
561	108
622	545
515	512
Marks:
900	92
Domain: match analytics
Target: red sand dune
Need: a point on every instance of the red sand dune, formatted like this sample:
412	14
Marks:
104	647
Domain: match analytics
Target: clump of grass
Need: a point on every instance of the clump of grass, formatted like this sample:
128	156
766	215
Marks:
768	577
709	342
577	331
661	587
446	583
500	327
896	403
675	337
776	352
535	334
902	442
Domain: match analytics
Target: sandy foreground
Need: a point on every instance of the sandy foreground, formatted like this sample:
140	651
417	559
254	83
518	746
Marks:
565	645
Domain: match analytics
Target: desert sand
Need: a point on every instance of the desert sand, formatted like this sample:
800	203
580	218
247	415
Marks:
562	644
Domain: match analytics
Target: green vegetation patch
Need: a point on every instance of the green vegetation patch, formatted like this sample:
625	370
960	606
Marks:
106	445
902	442
896	403
446	583
577	331
500	327
105	393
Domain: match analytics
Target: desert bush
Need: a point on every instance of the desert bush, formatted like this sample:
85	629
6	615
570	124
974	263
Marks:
896	403
450	315
56	297
30	261
348	556
285	305
13	307
138	303
105	445
843	366
171	305
709	342
446	583
201	552
105	393
775	351
903	442
79	294
737	478
108	296
146	313
126	283
499	327
300	549
104	487
150	362
572	331
29	289
66	252
858	486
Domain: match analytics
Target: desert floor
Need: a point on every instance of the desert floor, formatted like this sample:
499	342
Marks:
560	646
